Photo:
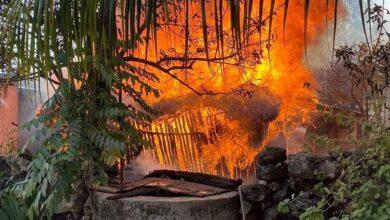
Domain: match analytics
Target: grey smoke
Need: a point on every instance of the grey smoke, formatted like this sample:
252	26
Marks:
261	105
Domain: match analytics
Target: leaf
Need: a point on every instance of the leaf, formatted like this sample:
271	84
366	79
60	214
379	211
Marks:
271	14
220	9
363	22
44	187
165	10
369	18
249	18
204	26
334	26
307	4
35	122
326	12
384	172
285	17
283	207
216	24
187	32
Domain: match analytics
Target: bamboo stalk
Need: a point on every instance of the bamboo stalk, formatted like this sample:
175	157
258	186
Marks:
189	140
195	141
166	147
184	141
181	145
159	148
173	147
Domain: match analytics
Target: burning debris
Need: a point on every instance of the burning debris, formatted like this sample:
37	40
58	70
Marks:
260	105
193	129
251	112
172	183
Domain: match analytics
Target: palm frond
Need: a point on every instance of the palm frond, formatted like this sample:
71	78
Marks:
285	16
369	18
204	26
363	22
306	17
261	11
271	13
336	2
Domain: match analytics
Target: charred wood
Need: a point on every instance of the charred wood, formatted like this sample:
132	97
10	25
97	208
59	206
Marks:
202	178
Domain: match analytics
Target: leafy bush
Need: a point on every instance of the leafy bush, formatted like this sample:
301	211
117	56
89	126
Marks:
363	189
10	208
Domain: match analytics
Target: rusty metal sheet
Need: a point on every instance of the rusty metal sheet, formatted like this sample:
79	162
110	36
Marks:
180	187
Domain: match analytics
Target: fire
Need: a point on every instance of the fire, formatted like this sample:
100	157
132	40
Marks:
283	75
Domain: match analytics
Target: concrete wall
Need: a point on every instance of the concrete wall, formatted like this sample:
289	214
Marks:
8	117
225	206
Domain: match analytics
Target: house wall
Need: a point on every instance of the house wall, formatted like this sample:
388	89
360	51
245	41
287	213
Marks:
9	108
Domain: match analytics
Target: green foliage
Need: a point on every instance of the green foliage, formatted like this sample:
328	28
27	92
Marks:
84	125
363	189
10	208
284	206
48	181
322	141
312	213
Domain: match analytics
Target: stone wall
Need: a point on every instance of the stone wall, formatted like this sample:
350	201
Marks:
280	177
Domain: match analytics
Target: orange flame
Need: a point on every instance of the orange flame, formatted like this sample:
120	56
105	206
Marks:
284	76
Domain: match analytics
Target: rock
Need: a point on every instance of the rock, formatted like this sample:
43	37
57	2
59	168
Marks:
87	213
255	193
306	170
255	212
3	181
266	204
270	213
315	167
3	165
272	155
65	216
17	164
64	207
247	207
272	172
281	194
5	172
274	186
303	201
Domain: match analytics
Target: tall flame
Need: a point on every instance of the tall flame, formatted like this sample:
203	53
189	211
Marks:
283	75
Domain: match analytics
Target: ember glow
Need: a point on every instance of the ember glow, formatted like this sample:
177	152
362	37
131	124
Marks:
246	106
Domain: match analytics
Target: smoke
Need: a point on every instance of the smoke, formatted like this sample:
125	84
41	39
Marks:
143	166
277	141
260	105
293	141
